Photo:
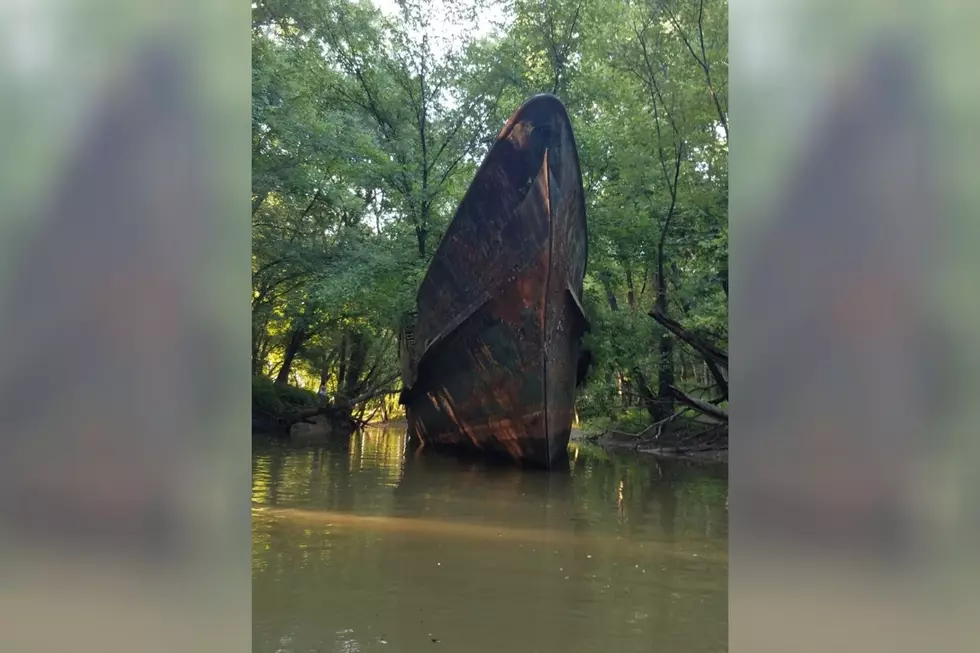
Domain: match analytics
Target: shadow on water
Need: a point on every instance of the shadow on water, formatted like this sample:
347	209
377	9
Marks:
357	545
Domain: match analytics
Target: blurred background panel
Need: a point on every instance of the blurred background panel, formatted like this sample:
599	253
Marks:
852	267
124	271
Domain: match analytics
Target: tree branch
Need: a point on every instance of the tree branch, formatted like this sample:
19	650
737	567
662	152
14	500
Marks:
702	60
384	389
703	407
707	350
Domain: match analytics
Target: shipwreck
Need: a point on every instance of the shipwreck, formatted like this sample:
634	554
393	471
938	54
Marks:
492	353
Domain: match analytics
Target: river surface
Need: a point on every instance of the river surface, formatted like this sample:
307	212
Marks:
359	547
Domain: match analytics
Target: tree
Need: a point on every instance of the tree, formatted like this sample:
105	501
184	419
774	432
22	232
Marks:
368	127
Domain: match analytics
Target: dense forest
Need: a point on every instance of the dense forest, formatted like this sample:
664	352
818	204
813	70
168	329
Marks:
370	120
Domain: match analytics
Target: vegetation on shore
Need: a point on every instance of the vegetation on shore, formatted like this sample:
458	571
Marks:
368	125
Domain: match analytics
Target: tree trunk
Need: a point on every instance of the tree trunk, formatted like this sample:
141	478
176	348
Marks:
421	233
325	368
342	369
421	230
622	384
630	293
720	379
714	357
355	367
625	390
324	375
606	281
258	200
707	350
682	359
295	342
260	340
665	375
646	394
703	407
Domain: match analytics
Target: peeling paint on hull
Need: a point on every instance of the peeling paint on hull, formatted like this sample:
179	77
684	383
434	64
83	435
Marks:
490	362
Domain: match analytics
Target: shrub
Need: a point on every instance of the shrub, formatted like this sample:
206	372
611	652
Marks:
274	401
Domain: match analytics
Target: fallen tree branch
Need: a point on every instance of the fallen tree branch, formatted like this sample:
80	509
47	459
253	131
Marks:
703	407
702	436
709	351
384	388
719	378
715	357
304	415
345	407
365	422
660	427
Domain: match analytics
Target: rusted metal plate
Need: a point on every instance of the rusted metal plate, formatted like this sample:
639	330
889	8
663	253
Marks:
490	362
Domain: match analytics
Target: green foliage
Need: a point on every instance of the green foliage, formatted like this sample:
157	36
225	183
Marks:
628	420
368	127
270	400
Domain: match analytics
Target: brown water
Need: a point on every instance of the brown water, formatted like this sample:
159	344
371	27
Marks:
359	547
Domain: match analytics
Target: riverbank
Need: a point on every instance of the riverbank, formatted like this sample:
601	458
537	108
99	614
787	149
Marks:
607	441
613	441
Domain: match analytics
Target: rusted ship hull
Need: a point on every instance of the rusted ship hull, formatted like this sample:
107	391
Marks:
493	358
